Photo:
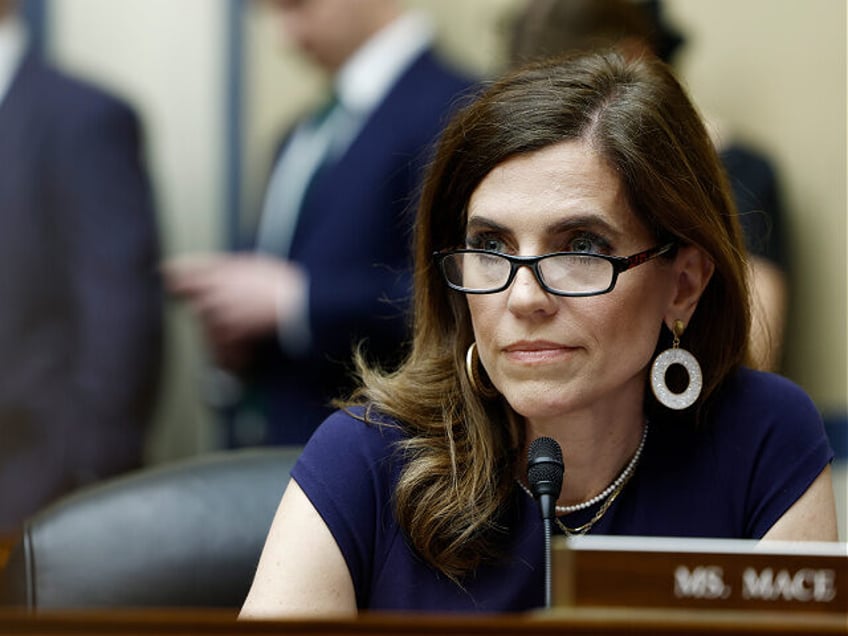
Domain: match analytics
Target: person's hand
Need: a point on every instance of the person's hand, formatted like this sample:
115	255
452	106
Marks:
237	298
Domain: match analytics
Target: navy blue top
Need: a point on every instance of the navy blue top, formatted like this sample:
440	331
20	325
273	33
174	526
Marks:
732	477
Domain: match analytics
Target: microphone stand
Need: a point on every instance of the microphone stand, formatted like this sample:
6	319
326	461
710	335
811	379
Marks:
548	564
545	475
546	504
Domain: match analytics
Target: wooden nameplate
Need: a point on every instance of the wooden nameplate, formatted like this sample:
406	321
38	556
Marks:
654	572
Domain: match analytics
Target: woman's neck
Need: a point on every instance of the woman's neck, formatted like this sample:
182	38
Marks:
595	449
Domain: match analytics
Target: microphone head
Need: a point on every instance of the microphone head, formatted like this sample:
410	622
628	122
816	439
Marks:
544	467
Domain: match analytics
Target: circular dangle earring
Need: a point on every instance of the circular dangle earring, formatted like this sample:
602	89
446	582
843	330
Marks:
676	355
472	363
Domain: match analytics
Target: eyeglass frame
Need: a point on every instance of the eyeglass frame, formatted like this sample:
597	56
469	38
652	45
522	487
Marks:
619	264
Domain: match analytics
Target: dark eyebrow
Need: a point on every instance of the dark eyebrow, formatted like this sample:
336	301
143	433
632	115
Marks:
585	221
478	222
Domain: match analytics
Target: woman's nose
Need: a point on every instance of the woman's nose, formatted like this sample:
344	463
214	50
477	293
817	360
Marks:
526	295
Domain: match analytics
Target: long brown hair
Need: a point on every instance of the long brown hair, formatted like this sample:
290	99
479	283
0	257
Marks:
461	449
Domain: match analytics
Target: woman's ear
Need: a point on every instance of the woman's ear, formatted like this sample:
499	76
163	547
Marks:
693	270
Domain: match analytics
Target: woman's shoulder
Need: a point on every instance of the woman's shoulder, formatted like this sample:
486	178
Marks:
351	444
751	393
348	470
756	405
357	427
752	411
757	449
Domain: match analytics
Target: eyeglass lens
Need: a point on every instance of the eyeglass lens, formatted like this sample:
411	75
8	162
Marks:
565	273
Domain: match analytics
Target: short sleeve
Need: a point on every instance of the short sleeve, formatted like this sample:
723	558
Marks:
790	451
346	472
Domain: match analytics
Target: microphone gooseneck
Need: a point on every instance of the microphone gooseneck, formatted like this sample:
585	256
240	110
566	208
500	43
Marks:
545	472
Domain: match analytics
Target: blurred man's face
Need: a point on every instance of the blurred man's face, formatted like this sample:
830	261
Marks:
328	31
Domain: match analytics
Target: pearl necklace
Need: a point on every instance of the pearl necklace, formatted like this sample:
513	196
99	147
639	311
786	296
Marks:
619	482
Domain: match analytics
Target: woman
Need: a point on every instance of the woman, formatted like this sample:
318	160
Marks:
599	222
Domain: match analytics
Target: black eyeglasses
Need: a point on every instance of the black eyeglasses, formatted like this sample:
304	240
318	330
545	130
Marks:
559	273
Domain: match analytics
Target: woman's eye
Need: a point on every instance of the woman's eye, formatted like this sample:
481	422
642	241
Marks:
489	243
588	243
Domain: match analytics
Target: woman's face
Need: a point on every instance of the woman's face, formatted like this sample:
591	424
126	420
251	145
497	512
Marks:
551	355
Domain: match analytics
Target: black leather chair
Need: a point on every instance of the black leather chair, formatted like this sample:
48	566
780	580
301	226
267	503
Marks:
187	533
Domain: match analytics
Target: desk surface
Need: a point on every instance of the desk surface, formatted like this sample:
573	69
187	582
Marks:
575	622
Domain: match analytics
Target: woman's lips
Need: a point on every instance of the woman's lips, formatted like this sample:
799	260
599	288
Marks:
537	351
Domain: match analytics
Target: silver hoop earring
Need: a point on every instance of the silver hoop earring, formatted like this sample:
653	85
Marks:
472	362
676	355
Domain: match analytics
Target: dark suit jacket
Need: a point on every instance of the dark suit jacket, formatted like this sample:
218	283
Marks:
353	237
80	297
758	200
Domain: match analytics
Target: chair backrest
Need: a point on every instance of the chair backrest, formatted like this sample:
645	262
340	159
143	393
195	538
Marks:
187	533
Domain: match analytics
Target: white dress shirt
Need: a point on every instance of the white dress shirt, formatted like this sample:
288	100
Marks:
13	42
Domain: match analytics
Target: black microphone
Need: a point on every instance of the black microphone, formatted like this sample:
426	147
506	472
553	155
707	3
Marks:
545	471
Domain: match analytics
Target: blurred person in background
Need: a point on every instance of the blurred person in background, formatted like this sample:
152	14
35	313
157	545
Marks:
329	264
545	28
80	328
